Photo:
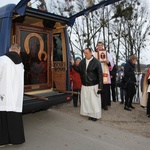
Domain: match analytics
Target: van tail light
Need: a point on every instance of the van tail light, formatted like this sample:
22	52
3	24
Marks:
68	98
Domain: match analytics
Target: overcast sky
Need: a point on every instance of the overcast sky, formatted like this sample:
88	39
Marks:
4	2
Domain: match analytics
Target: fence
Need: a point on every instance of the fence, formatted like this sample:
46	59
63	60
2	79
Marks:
138	94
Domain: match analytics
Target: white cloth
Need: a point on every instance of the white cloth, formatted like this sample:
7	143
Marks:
148	89
143	99
11	85
87	62
90	102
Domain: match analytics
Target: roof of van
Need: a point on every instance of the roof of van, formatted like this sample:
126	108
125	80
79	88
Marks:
45	15
22	8
8	10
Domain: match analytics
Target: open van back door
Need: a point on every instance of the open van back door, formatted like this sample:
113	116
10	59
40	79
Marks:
101	4
21	7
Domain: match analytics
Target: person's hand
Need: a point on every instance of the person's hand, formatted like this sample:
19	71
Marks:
72	62
136	84
107	61
99	91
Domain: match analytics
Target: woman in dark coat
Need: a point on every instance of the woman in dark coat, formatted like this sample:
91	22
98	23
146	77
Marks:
130	79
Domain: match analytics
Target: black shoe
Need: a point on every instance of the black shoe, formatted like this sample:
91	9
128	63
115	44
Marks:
121	102
127	108
105	108
94	119
148	116
132	107
75	104
90	118
143	106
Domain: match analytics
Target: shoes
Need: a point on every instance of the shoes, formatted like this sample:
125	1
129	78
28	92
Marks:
105	108
2	146
132	107
93	119
90	118
127	108
148	116
121	102
75	104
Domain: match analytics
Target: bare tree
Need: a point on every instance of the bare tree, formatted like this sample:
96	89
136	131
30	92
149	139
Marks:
87	30
123	31
134	29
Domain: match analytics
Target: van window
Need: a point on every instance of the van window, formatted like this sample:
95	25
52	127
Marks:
57	42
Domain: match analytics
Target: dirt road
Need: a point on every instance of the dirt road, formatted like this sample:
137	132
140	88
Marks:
135	121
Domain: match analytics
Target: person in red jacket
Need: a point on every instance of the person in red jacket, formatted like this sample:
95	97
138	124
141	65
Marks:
76	82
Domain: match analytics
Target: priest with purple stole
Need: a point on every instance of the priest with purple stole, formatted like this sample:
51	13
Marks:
107	64
11	97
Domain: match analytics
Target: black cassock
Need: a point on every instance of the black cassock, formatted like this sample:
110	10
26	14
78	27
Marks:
11	128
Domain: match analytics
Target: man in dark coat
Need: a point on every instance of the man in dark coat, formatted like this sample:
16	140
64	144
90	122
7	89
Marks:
92	80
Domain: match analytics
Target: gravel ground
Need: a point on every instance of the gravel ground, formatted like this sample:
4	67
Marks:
134	121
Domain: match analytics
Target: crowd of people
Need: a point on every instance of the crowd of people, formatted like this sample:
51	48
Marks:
98	82
93	81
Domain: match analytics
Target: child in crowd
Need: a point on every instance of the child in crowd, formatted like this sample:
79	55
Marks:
76	82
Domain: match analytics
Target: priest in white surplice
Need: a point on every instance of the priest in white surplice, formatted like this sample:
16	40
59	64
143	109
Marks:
92	81
11	97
